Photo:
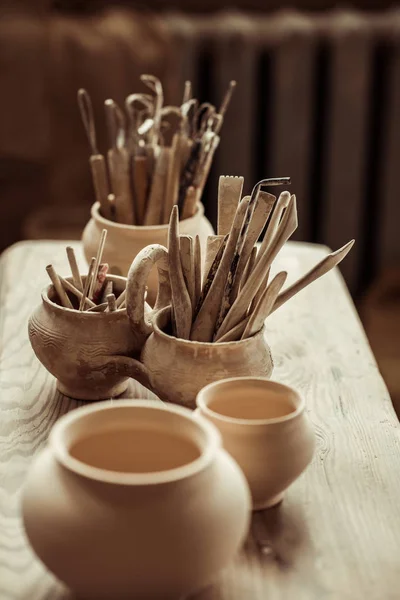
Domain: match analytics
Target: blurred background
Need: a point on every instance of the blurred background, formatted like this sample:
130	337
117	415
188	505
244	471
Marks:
318	99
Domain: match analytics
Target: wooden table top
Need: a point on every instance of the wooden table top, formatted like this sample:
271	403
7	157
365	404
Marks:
337	533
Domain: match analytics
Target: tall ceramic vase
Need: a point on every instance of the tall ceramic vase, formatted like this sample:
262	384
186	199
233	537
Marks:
137	500
124	242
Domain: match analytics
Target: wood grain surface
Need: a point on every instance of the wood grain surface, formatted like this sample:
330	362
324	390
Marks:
336	536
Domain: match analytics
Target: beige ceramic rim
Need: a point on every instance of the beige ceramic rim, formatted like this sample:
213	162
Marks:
202	404
192	343
84	313
212	443
95	214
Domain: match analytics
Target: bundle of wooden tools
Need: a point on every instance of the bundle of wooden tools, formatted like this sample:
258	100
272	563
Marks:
235	296
160	156
96	293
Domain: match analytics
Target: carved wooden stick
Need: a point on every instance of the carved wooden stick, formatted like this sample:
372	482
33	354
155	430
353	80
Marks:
154	210
108	289
181	305
88	281
235	333
172	182
280	206
249	266
99	255
209	278
204	324
239	308
62	294
187	261
197	271
263	208
140	186
111	303
229	195
325	265
214	243
121	298
71	288
263	308
76	276
190	203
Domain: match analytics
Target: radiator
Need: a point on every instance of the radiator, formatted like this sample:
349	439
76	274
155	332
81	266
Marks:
318	99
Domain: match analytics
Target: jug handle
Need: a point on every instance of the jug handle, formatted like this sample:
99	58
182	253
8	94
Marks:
128	367
139	312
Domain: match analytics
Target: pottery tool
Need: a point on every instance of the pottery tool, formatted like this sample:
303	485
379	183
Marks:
189	171
108	289
111	303
224	106
204	324
209	277
97	163
76	276
280	206
197	272
154	208
119	164
155	86
99	282
181	305
98	258
187	262
140	185
325	265
71	288
228	297
262	210
88	281
172	186
187	92
61	293
239	308
264	306
229	195
189	204
213	245
235	333
260	290
249	266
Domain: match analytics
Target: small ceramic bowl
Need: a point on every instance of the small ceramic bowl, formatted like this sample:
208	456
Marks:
265	428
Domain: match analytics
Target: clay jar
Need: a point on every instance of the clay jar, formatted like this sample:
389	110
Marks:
124	242
180	368
135	499
265	428
91	354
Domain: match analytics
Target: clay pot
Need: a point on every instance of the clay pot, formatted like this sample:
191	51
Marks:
265	428
125	241
178	369
135	499
89	353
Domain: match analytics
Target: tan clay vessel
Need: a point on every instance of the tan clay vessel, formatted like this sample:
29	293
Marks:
180	368
135	500
92	354
265	428
124	242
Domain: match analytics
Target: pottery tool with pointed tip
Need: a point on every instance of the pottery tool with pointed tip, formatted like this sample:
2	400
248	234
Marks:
264	306
181	305
121	298
172	179
239	308
235	333
197	271
187	262
204	324
229	195
209	276
98	258
88	282
61	293
325	265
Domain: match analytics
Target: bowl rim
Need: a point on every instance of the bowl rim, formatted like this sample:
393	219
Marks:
57	442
